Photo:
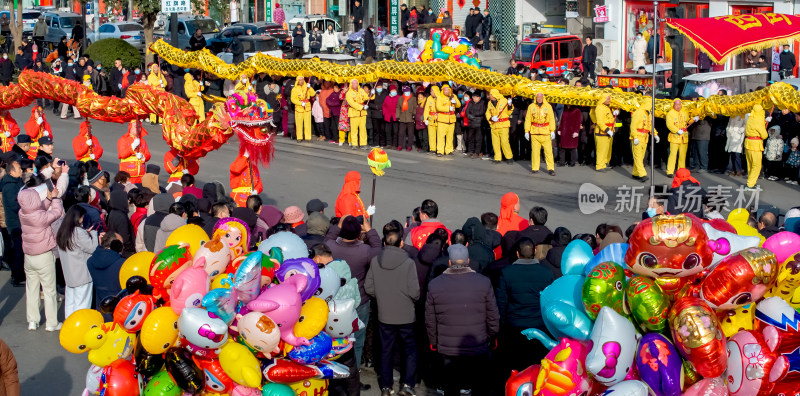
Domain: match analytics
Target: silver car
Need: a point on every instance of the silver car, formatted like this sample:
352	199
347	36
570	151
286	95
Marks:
132	33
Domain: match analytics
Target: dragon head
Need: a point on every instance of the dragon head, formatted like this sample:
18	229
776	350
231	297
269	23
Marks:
248	116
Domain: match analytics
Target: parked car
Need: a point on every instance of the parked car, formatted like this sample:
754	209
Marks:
558	53
29	18
309	22
60	24
132	33
253	45
277	31
735	82
187	24
221	40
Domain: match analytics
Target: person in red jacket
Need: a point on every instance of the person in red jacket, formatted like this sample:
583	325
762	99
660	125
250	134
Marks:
177	165
37	127
8	131
349	202
86	146
245	180
133	152
509	219
428	211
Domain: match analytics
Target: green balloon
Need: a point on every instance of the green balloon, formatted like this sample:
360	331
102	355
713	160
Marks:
272	389
604	287
161	385
648	304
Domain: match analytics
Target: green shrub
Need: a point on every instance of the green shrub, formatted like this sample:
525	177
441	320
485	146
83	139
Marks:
107	50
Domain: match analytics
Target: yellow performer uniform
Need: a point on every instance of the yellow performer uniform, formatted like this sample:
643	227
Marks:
641	125
540	126
243	87
357	100
156	80
431	118
497	113
755	131
192	88
446	105
301	93
603	132
677	122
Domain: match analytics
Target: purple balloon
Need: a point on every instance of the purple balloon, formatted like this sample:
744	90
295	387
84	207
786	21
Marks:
659	365
303	266
413	54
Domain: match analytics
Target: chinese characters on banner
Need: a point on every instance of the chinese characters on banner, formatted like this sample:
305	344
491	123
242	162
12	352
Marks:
268	10
601	13
169	6
394	17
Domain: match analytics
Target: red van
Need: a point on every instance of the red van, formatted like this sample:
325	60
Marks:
557	52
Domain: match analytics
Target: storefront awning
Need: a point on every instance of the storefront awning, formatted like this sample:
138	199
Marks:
721	37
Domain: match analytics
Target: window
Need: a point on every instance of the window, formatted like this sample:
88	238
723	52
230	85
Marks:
247	46
576	48
69	22
525	52
205	25
266	45
546	52
227	33
47	20
130	27
106	29
564	50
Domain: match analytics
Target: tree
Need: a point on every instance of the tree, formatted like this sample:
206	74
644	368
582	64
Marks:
16	24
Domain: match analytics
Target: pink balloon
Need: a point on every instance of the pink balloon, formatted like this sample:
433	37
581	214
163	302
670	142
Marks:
189	287
708	387
784	244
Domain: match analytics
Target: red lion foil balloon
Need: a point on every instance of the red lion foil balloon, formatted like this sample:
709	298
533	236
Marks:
698	336
668	247
754	365
740	278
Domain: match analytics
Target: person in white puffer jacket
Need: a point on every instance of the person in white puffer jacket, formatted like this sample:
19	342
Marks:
329	40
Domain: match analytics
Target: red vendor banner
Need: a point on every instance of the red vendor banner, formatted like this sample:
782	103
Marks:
721	37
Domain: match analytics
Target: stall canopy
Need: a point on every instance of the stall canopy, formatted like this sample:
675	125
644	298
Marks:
721	37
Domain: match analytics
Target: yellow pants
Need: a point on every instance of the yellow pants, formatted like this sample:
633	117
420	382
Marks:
342	136
358	131
302	121
753	158
602	148
432	129
197	104
153	119
539	142
638	157
677	151
500	142
444	138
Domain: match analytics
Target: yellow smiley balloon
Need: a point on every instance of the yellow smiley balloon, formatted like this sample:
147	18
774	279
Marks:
71	336
159	330
192	234
138	264
313	317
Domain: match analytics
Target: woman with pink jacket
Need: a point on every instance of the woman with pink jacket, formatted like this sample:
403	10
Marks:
36	217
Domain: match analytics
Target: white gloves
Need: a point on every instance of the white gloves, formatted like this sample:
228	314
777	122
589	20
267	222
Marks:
199	94
366	107
246	154
371	210
453	100
657	139
307	85
135	143
139	156
696	118
119	86
89	142
452	108
610	133
39	120
303	103
552	135
495	118
768	119
426	122
46	133
91	156
7	134
372	92
616	112
574	135
509	101
680	132
636	142
527	136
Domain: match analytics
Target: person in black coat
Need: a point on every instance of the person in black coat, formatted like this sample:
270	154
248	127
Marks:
376	114
357	16
118	221
369	43
588	58
6	69
787	63
104	266
237	50
198	41
404	15
486	28
298	34
63	50
22	61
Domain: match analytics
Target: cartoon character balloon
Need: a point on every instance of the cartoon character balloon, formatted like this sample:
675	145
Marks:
604	286
648	305
217	256
740	278
754	366
202	329
132	310
614	342
167	265
108	343
725	243
787	285
303	266
562	372
659	365
698	336
216	381
234	233
282	303
189	287
160	330
71	337
191	234
120	379
240	364
290	244
342	319
259	332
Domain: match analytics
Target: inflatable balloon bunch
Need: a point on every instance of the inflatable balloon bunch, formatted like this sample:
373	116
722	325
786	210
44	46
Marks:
443	45
204	316
687	307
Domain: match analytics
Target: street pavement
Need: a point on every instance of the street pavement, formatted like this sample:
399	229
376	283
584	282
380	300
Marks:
301	171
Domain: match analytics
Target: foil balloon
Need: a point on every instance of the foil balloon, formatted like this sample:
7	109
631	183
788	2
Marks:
313	318
302	266
162	385
342	319
738	218
776	312
698	336
754	366
659	365
217	256
202	329
71	337
319	347
724	243
147	364
604	287
282	303
166	266
521	383
648	305
739	279
734	321
247	279
783	244
107	343
311	386
629	388
270	264
614	252
234	233
291	245
132	310
120	379
788	282
562	308
259	332
137	264
349	288
93	377
283	371
575	258
190	234
240	364
340	347
221	302
669	247
562	372
184	371
272	389
159	331
189	287
239	390
329	284
708	387
614	342
413	54
222	281
216	381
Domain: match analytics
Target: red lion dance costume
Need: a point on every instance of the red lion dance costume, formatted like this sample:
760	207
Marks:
37	127
86	146
133	152
8	131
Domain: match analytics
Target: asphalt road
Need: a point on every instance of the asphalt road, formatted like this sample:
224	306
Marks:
462	188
